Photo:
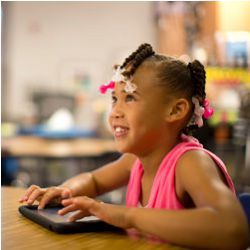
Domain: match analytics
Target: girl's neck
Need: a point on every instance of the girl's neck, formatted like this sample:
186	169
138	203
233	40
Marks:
152	161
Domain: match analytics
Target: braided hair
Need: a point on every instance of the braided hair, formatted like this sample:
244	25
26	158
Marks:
181	79
198	75
136	59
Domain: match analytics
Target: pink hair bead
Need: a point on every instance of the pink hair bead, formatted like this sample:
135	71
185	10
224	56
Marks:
104	87
209	111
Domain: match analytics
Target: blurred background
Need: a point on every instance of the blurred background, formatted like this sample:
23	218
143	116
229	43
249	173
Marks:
56	54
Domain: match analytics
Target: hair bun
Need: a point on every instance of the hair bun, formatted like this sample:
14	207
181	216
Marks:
146	49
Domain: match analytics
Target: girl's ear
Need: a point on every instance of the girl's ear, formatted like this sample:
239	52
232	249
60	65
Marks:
178	110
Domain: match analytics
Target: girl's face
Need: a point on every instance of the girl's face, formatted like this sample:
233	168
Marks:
138	119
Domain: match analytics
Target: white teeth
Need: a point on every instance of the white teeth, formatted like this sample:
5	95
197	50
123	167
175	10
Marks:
118	129
120	132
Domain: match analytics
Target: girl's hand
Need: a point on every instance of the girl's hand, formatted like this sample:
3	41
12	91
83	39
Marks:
45	195
113	214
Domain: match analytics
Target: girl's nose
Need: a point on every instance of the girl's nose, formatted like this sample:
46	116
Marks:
116	112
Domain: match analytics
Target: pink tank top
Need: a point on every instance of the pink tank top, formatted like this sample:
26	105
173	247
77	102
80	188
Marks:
163	193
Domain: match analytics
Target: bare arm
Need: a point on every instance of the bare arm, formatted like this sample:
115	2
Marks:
109	177
217	222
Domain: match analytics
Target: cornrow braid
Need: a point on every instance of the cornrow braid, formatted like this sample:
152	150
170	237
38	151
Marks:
136	58
198	76
130	58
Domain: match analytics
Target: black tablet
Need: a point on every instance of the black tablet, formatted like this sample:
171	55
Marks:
49	219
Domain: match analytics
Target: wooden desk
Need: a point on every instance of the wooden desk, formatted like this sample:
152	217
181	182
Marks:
20	233
31	146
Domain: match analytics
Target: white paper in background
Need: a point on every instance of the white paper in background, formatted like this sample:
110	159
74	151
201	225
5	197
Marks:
61	120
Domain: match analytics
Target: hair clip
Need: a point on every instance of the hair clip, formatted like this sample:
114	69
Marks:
209	111
198	112
118	77
104	87
130	87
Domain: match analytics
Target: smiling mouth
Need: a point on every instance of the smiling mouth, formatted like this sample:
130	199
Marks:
120	131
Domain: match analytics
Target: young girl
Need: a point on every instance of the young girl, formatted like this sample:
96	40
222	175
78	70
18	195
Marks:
178	191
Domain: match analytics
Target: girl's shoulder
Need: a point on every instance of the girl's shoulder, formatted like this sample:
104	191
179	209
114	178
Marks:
202	165
196	156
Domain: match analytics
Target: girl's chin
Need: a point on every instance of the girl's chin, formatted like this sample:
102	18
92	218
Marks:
122	148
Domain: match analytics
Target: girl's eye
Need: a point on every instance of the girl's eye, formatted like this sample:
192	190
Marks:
130	98
113	99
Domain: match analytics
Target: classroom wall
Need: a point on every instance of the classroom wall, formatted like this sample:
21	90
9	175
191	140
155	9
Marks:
233	16
44	41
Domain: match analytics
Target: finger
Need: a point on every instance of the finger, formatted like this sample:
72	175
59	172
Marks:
67	209
28	192
34	195
78	203
82	202
78	215
67	202
48	196
66	194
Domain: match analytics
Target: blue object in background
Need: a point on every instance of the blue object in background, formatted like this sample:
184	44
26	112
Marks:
43	131
237	52
245	202
9	170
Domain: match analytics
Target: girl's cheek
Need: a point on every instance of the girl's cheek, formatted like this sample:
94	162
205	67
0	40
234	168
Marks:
108	121
109	116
